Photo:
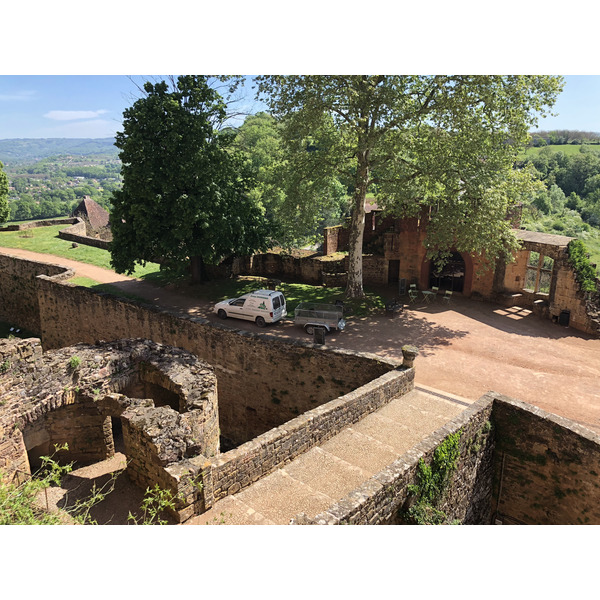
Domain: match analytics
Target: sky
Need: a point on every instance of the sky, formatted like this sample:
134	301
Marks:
91	106
69	106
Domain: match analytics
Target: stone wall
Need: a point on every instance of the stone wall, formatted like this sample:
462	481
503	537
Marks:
382	498
518	465
34	224
18	289
69	396
565	293
78	233
236	469
263	381
547	468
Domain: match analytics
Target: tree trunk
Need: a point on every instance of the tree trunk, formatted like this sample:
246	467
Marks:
197	267
354	288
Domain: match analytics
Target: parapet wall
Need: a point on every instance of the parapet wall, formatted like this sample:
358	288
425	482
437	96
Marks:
34	224
518	465
264	381
380	500
18	289
547	468
236	469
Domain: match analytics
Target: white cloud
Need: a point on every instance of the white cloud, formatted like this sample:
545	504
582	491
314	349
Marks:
20	96
72	115
97	128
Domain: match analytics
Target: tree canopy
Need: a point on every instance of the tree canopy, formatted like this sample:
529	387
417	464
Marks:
184	198
291	223
4	210
442	147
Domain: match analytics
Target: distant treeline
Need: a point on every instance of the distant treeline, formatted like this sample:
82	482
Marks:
36	149
564	136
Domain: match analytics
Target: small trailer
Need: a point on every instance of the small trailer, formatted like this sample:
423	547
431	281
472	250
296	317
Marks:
312	315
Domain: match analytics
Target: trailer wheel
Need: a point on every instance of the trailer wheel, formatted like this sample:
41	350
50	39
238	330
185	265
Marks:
310	329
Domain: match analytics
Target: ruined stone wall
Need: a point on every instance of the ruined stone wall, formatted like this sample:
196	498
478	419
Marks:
565	292
34	224
290	268
568	296
81	426
547	468
68	397
18	290
381	499
236	469
263	381
78	233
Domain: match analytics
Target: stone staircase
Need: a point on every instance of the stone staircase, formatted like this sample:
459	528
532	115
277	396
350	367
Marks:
325	474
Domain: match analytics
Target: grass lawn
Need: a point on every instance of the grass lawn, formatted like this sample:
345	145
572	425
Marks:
106	288
567	149
46	241
215	291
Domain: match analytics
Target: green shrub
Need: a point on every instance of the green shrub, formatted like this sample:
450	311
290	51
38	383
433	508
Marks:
585	273
74	362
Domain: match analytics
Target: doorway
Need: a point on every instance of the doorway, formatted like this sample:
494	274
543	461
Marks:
393	271
451	276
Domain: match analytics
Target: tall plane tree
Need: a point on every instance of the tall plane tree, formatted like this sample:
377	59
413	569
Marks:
443	146
185	190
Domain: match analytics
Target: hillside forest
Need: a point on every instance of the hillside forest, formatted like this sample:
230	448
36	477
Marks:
48	178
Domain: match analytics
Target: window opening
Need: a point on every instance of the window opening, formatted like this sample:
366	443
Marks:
539	273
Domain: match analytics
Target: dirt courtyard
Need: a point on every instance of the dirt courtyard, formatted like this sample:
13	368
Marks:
468	348
465	348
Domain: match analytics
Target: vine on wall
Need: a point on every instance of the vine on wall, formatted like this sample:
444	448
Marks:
585	273
432	483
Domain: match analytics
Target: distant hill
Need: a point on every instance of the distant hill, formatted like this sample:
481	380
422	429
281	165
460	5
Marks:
36	149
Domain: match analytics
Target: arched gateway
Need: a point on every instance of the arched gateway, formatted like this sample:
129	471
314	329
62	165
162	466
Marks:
456	275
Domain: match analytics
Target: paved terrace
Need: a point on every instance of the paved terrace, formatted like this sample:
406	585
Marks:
325	474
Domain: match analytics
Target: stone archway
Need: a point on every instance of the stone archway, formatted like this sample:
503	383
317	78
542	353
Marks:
456	276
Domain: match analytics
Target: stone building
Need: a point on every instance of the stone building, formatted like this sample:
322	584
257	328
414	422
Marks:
91	212
539	278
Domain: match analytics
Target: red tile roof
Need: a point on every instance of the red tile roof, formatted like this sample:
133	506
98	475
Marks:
95	214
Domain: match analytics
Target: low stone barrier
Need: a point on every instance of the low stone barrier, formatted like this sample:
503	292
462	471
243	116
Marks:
77	234
238	468
44	223
380	500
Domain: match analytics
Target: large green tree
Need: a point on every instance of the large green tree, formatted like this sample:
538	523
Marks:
184	198
442	147
279	186
4	209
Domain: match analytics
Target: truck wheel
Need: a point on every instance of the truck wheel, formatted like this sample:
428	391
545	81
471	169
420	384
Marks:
260	321
222	314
